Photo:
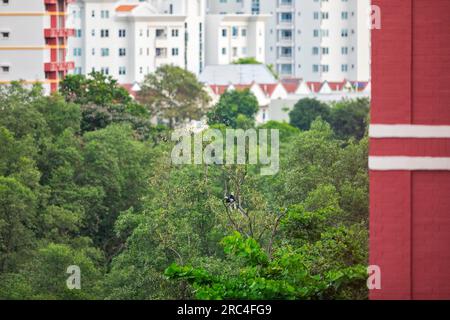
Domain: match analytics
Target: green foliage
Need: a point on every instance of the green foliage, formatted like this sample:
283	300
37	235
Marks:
86	180
235	109
175	94
306	111
285	276
249	60
350	118
103	101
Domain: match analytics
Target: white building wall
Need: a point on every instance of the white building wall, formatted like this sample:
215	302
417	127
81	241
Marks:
234	36
158	32
305	38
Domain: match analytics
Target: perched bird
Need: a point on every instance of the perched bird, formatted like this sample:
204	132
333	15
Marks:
230	199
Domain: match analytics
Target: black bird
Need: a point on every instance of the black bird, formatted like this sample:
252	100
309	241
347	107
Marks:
230	199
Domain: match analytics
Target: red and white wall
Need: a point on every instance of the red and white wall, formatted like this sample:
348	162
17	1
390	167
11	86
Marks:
34	49
410	150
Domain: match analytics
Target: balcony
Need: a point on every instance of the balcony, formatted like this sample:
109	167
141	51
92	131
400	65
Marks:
58	66
161	53
58	33
285	41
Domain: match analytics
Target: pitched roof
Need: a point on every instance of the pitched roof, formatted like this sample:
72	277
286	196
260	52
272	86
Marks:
314	86
126	7
219	89
268	88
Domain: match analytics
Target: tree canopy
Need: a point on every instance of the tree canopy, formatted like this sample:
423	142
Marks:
101	193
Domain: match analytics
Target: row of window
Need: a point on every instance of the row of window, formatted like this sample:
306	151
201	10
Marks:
326	50
316	68
122	33
235	32
325	33
105	70
325	68
105	52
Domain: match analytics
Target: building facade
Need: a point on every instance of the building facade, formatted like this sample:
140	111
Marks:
316	40
410	151
230	37
129	39
33	42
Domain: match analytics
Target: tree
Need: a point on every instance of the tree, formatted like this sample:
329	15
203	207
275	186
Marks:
256	276
234	107
249	60
349	119
103	101
173	94
306	111
96	88
17	222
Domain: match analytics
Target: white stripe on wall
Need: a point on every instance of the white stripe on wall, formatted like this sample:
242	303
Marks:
408	131
408	163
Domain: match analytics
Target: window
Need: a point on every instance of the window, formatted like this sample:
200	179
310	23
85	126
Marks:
104	33
77	52
344	50
315	68
286	52
325	50
315	51
286	69
5	2
5	69
235	51
93	51
286	17
93	14
93	32
78	33
344	33
244	33
175	52
235	32
175	33
104	52
122	33
4	35
344	68
344	15
122	71
77	70
325	68
104	14
224	32
160	33
104	70
224	51
122	52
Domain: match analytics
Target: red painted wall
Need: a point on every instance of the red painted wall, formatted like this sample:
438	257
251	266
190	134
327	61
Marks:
410	210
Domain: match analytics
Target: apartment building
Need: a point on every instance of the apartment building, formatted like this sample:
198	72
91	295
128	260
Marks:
230	37
129	39
317	40
33	42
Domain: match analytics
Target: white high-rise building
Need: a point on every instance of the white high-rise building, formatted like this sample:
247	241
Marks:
129	39
316	40
230	37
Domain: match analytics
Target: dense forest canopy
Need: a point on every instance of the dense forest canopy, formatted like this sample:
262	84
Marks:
86	179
